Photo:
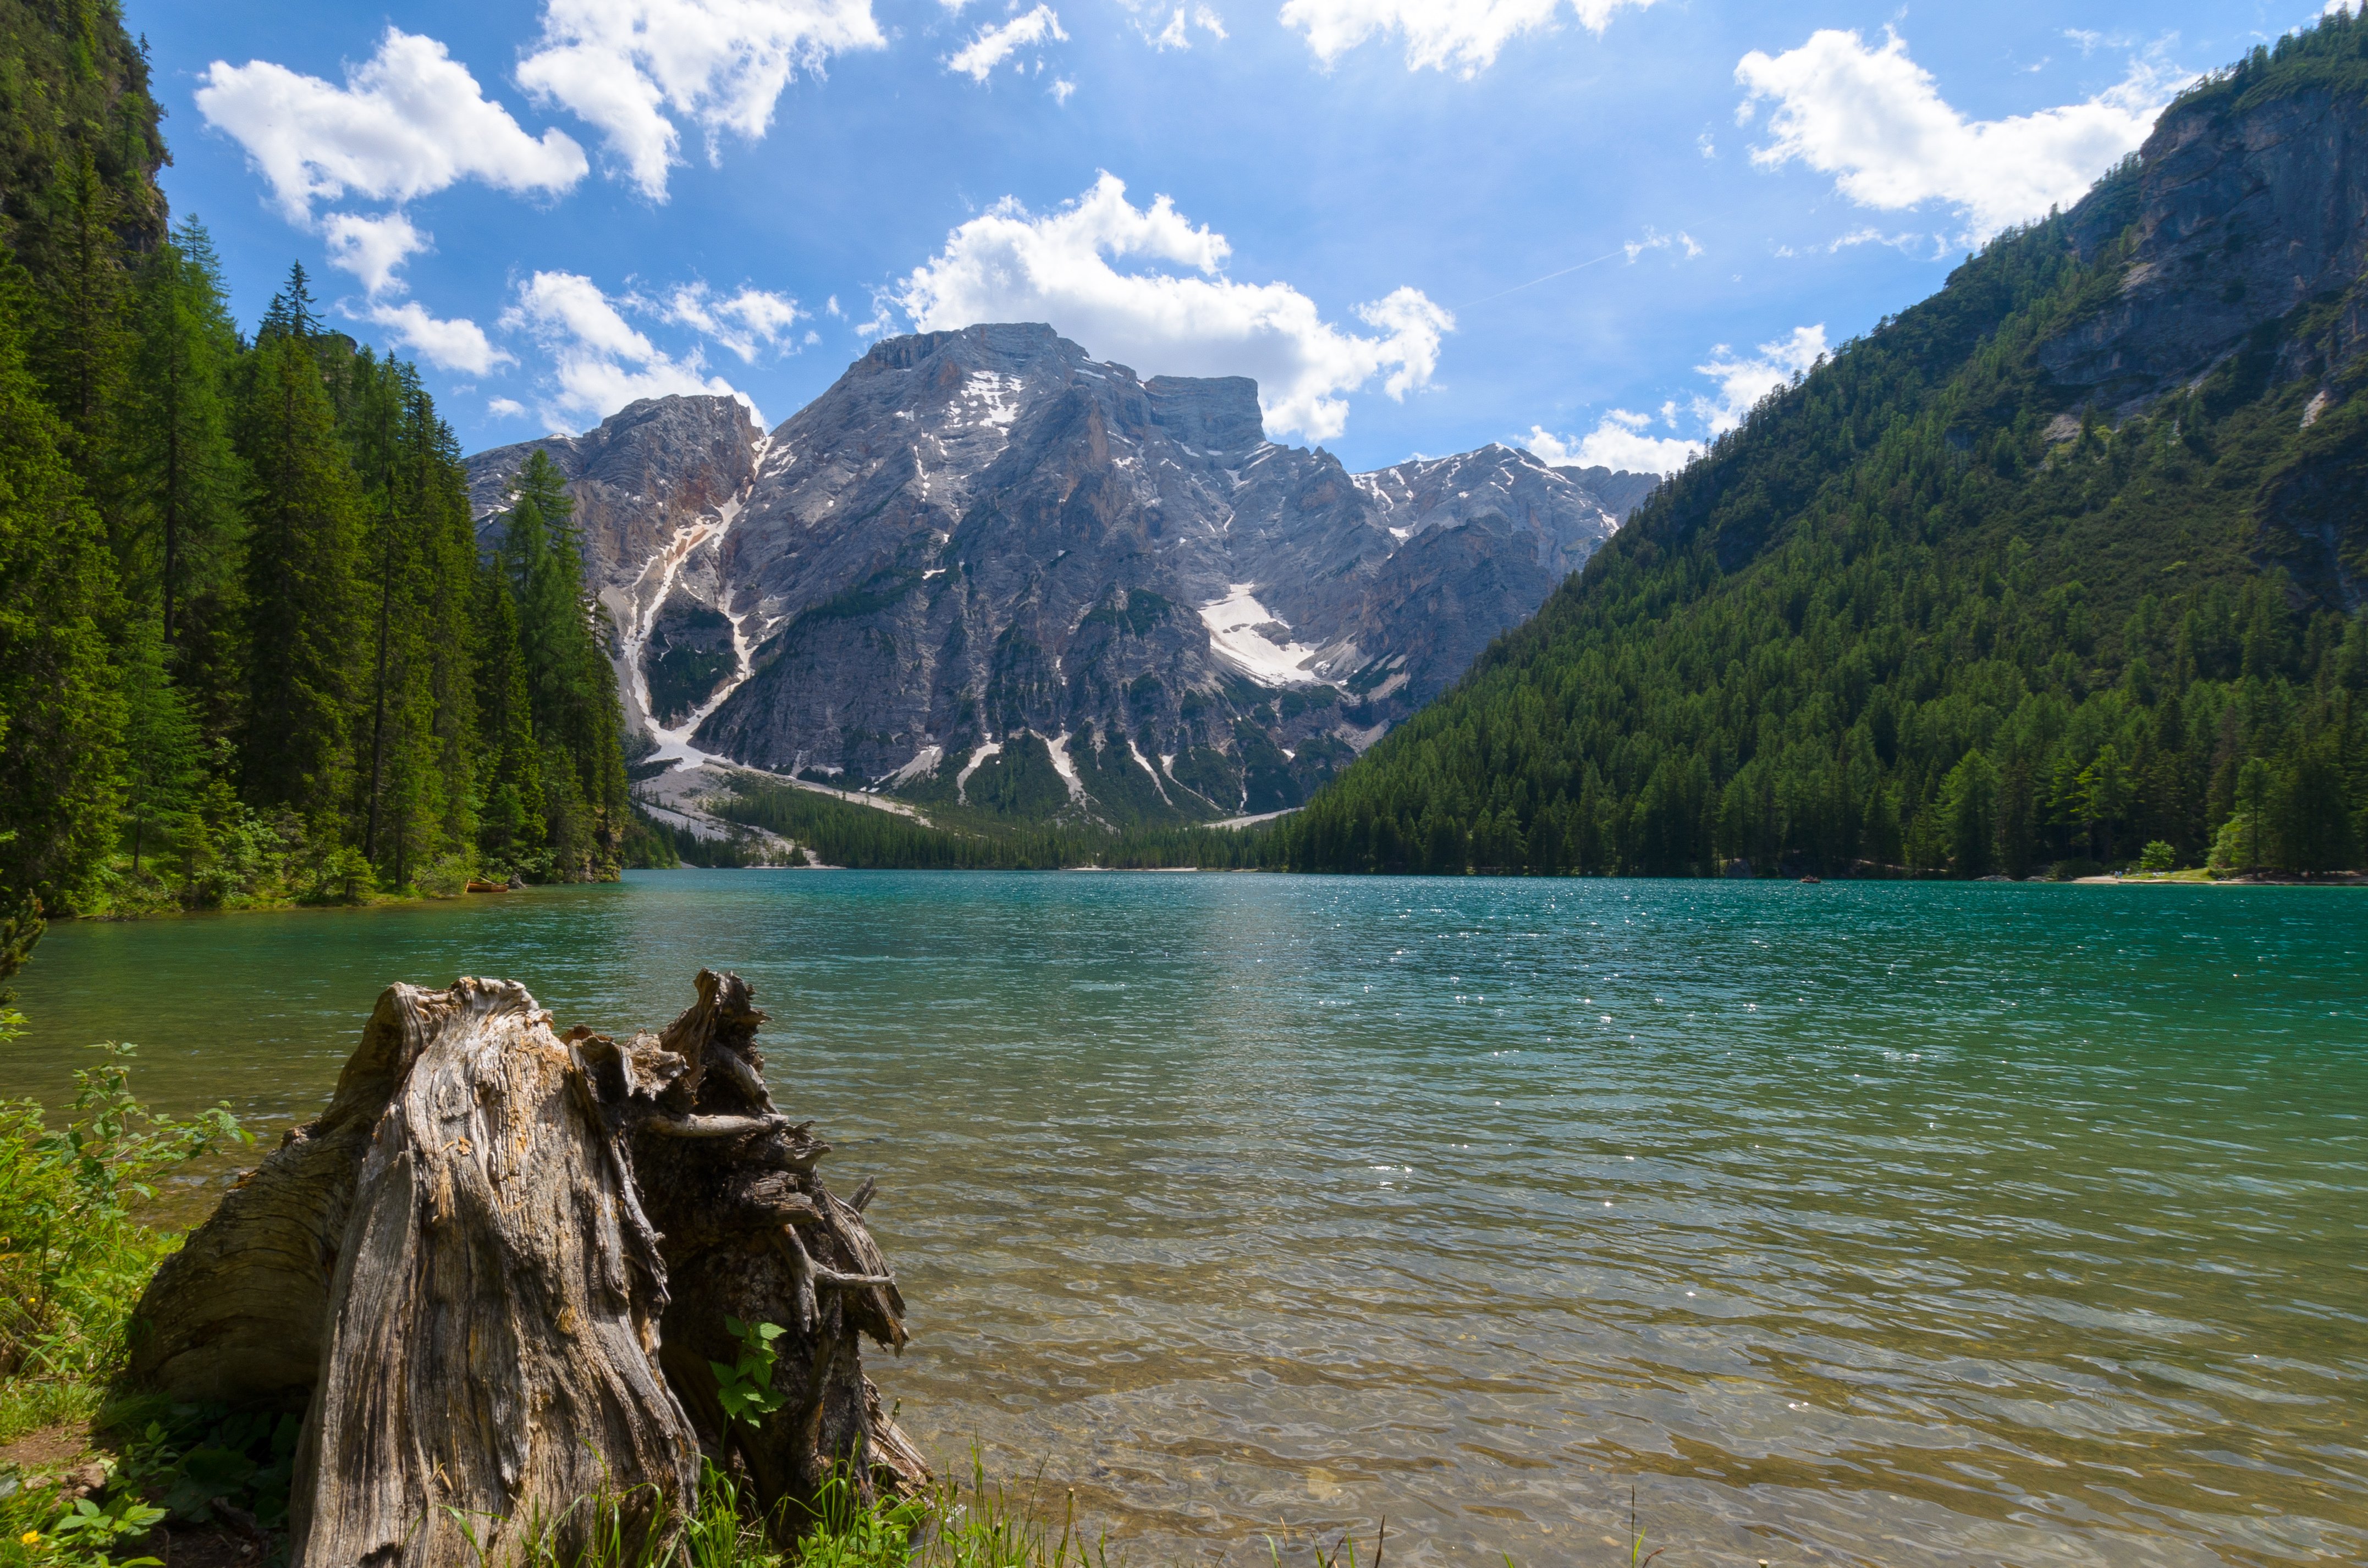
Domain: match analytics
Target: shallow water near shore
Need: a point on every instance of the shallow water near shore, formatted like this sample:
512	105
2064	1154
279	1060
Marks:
1856	1224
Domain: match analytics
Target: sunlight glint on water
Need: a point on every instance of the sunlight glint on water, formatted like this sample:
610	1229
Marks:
1869	1223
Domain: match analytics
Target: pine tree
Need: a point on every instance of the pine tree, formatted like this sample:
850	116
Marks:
419	549
304	609
444	607
290	313
186	479
571	685
60	719
160	738
81	340
512	818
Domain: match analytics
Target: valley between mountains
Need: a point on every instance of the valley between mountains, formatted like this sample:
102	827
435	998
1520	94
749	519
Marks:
985	569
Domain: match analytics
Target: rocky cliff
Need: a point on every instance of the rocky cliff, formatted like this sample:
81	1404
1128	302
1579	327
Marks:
2230	222
985	568
2237	242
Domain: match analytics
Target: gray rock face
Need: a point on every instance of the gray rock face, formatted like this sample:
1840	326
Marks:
2237	220
652	485
2243	241
647	471
986	568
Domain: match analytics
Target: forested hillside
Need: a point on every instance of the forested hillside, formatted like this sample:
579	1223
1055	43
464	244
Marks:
2003	583
247	650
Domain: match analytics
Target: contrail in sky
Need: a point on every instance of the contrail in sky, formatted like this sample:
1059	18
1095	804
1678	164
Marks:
1547	278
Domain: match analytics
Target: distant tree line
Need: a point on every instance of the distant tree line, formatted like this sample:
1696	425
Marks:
843	833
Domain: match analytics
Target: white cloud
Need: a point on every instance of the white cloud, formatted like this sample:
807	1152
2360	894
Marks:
1465	34
1170	24
1744	381
1907	243
1176	32
1620	441
1873	118
1008	264
1061	90
1617	443
600	362
744	323
1656	240
882	322
993	46
504	407
410	121
638	68
371	248
456	345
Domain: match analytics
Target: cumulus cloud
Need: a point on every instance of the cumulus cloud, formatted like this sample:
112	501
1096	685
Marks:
371	248
410	121
456	345
504	407
600	362
1061	267
1744	380
993	46
1467	35
1873	118
639	69
744	323
1620	440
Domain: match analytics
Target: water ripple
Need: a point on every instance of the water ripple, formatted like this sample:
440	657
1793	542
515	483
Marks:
1851	1225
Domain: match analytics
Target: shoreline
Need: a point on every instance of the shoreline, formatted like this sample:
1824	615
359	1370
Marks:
2338	879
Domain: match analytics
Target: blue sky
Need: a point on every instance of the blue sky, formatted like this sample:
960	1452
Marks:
1598	227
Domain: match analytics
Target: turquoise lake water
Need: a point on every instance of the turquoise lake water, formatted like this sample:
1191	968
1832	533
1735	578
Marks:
1856	1224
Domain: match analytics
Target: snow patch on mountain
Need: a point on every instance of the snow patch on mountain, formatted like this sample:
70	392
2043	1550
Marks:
1244	633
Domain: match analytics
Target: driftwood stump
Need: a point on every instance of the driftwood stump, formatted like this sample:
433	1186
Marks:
494	1274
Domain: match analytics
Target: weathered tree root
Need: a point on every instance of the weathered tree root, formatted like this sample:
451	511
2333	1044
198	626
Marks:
494	1272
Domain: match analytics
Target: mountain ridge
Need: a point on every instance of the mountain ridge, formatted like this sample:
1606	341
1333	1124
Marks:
2063	560
984	563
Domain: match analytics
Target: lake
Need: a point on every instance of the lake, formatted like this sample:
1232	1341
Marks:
1854	1223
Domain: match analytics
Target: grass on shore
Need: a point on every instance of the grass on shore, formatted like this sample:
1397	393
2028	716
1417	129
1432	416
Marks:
73	1259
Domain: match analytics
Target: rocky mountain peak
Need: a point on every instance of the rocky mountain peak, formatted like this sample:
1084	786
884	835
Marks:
644	473
988	570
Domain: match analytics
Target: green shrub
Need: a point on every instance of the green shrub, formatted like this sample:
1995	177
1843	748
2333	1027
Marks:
73	1257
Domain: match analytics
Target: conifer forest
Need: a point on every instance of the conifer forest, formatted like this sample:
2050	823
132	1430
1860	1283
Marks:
249	651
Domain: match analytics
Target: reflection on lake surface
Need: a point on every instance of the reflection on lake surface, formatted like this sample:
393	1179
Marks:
1875	1223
